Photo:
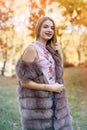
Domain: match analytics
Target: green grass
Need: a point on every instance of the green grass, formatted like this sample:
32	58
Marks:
9	111
76	85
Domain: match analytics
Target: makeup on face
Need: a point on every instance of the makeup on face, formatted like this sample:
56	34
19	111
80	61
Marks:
47	30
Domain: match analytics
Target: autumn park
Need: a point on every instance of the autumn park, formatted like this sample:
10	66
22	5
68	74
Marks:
17	24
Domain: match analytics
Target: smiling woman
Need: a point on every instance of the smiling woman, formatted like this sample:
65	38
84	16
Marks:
42	95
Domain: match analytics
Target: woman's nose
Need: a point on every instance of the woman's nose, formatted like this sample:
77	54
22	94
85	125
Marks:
49	29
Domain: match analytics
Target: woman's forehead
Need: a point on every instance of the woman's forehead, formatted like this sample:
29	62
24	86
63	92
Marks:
48	22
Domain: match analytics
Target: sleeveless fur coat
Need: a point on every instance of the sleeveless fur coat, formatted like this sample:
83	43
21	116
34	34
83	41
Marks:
35	105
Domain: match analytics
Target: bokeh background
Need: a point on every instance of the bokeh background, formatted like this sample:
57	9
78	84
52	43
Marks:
17	24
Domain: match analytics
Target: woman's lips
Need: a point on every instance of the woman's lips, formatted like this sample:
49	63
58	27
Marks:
48	34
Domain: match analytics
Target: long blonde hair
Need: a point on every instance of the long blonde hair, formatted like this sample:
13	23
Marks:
53	40
38	28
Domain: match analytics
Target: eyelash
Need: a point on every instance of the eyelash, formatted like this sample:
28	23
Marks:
47	27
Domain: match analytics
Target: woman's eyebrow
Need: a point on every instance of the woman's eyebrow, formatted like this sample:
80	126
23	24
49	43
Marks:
48	25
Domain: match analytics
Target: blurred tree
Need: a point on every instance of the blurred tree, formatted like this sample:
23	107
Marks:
17	24
83	45
37	9
6	13
76	10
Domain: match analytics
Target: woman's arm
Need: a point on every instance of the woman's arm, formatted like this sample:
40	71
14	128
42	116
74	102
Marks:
45	87
30	55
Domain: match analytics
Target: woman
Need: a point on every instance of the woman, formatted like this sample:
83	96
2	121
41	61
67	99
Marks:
42	95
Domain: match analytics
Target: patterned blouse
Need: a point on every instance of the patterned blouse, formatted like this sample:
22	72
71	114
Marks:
45	62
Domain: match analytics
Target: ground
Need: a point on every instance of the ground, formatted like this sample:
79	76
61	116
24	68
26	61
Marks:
76	85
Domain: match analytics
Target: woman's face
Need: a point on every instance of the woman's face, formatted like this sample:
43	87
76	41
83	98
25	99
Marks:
47	31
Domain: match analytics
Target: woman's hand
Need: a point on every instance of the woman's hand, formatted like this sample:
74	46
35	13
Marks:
58	87
54	87
46	87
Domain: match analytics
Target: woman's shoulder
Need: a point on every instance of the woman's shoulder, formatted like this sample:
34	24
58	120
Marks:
29	48
29	53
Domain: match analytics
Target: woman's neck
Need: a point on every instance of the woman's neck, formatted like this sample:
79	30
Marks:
42	41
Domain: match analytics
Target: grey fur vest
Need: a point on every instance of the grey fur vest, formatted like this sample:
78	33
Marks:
36	106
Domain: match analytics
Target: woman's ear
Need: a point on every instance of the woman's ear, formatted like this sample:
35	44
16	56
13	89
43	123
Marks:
54	45
57	48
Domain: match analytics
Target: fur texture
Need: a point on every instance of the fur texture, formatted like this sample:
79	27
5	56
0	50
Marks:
35	103
36	106
27	71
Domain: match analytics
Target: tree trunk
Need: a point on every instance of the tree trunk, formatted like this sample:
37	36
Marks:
4	63
3	68
79	56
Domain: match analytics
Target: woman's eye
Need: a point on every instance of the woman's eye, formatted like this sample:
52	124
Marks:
52	28
48	27
45	26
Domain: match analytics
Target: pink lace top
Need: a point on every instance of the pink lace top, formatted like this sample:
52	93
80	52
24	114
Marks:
45	62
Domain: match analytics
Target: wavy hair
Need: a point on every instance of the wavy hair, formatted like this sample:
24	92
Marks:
53	40
38	28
